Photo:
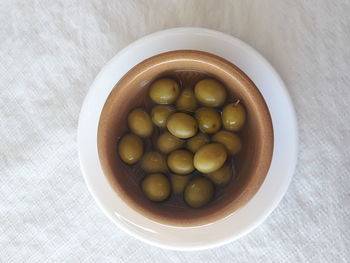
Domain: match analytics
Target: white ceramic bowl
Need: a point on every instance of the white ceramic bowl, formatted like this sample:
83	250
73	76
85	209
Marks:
284	154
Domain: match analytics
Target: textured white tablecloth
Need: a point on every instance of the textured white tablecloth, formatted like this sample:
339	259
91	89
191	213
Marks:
50	52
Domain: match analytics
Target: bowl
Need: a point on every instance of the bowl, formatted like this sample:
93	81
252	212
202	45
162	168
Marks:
243	220
187	66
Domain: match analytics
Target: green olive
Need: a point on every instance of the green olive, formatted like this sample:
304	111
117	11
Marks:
231	141
182	125
186	101
164	91
153	162
167	142
210	157
180	162
233	116
179	182
199	192
160	114
156	187
140	123
221	176
196	142
130	148
210	92
209	120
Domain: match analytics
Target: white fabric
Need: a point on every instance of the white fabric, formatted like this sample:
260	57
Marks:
51	51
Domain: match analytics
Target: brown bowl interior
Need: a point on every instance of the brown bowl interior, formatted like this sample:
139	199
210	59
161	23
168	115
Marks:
188	67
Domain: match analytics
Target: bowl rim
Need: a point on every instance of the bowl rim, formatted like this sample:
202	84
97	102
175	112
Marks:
191	60
283	117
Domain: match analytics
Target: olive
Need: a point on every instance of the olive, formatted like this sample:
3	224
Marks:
186	101
231	141
130	148
182	125
210	157
198	192
153	162
197	141
180	162
209	120
221	176
179	182
233	116
167	142
156	187
210	92
164	91
160	114
140	123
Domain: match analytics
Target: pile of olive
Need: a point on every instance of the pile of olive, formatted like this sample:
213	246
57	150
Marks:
184	159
